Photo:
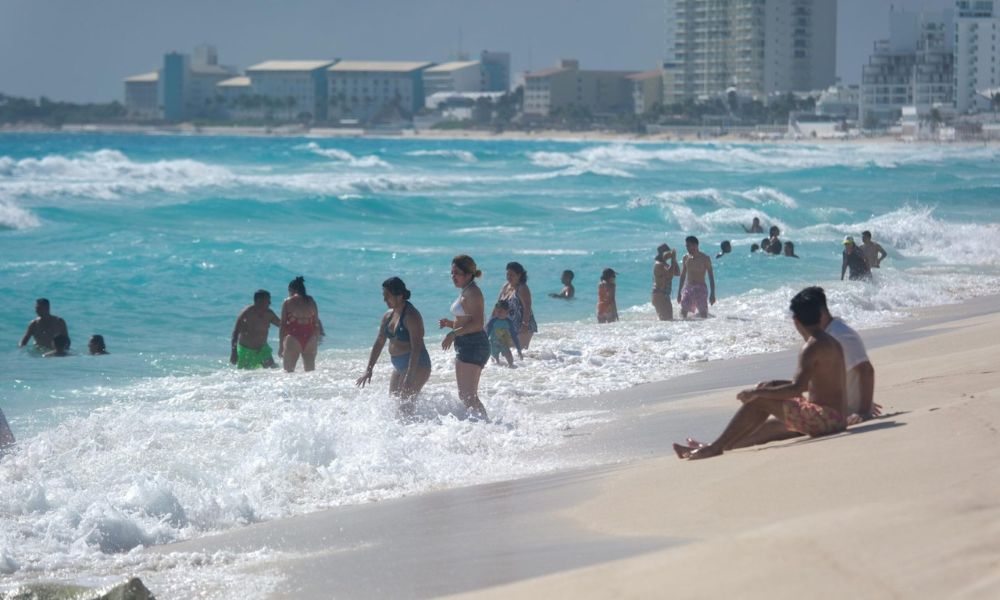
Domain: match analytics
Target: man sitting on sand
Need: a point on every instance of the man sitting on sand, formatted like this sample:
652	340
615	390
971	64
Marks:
45	328
693	294
820	372
249	343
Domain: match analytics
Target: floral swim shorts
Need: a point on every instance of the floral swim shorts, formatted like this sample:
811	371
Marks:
812	419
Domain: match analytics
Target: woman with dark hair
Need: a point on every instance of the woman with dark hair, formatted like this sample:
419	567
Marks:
96	345
300	327
472	347
515	291
663	281
403	326
607	306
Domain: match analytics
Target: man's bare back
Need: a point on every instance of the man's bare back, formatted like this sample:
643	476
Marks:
253	325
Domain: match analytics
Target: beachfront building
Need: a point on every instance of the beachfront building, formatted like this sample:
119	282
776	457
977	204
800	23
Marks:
757	47
647	90
568	86
839	101
376	91
914	67
495	71
142	96
290	89
459	76
977	59
236	97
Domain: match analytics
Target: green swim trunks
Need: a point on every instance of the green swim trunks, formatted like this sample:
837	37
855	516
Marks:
248	358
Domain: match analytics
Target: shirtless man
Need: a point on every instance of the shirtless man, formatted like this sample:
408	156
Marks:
250	349
873	251
692	293
45	328
820	372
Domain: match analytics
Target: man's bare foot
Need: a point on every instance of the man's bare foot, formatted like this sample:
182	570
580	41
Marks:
693	443
682	451
704	452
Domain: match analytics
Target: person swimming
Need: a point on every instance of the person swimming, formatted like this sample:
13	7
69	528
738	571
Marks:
568	290
96	346
724	248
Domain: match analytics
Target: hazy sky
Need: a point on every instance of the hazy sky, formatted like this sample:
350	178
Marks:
81	49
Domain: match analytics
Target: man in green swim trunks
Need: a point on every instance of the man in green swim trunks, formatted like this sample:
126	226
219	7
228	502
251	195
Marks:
250	349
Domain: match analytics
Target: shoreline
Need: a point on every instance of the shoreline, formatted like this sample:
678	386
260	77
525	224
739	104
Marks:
571	532
540	135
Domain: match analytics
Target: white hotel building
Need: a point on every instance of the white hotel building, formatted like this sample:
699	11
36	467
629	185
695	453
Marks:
370	90
977	60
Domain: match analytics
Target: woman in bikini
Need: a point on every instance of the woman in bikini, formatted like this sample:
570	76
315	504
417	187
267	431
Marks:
663	279
403	326
472	347
518	298
300	327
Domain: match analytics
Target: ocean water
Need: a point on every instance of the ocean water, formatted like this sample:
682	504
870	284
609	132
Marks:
157	242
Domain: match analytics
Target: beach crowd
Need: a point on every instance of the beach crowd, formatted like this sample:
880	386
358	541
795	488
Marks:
832	386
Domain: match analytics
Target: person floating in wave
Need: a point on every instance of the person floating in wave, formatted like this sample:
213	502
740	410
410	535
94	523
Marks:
694	295
249	342
724	248
790	250
403	326
96	345
663	281
300	327
854	260
812	403
873	251
607	307
61	344
503	334
568	291
45	327
755	226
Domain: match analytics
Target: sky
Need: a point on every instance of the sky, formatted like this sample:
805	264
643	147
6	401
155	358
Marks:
80	50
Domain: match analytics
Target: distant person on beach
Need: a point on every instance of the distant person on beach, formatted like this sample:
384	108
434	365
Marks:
568	290
854	260
663	281
607	306
515	291
403	326
61	344
472	346
249	348
300	327
6	436
790	250
873	251
503	334
774	245
755	227
859	391
45	327
724	248
812	403
694	295
96	345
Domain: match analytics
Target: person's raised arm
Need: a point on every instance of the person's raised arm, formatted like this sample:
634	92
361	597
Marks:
27	335
674	269
711	281
415	325
375	353
237	328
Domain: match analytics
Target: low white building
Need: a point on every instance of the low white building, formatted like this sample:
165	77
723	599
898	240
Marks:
460	76
291	89
142	97
376	91
839	101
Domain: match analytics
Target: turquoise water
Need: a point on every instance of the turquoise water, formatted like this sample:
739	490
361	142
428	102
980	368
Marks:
157	242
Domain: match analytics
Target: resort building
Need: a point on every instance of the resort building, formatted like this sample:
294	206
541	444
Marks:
237	99
757	47
461	76
496	71
977	60
291	89
839	101
565	86
142	96
914	67
375	91
647	90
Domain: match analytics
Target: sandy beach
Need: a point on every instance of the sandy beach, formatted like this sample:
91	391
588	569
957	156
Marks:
902	506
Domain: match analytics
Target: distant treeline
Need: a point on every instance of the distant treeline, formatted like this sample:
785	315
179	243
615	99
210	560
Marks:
48	112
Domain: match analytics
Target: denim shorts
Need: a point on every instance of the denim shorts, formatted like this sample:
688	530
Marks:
402	362
473	348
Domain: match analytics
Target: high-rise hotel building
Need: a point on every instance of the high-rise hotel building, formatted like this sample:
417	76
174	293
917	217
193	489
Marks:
756	47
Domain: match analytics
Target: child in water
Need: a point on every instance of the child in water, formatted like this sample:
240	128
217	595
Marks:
568	290
607	308
502	334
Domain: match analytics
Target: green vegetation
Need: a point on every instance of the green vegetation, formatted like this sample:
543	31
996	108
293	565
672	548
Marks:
43	111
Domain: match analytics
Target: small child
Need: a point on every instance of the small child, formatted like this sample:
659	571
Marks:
607	308
568	290
502	334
